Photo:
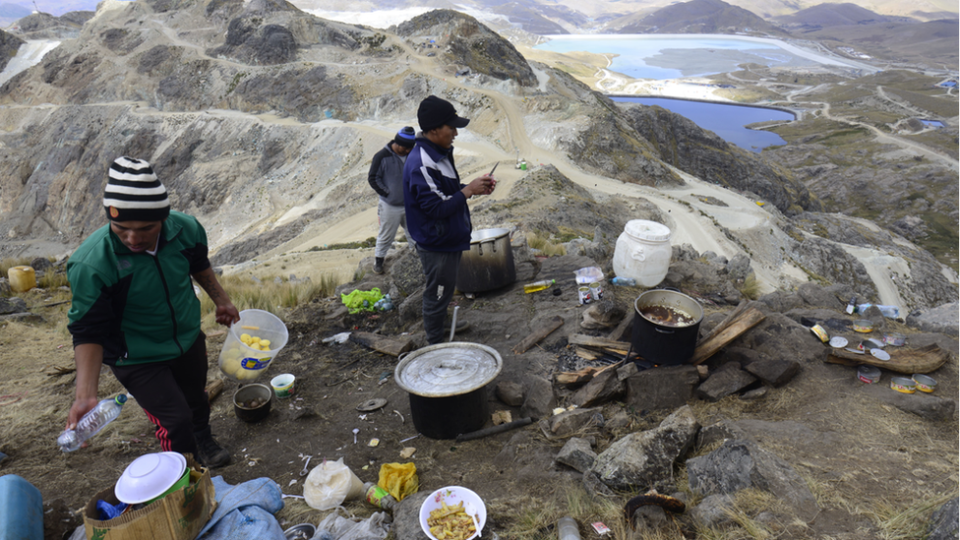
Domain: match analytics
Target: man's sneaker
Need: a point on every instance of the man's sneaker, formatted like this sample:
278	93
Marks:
209	453
378	265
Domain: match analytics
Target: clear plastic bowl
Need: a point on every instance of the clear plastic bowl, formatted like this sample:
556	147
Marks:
242	362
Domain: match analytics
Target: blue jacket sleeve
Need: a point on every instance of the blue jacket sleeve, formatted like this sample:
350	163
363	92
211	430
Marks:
431	197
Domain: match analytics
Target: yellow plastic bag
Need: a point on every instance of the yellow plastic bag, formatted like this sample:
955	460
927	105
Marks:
399	479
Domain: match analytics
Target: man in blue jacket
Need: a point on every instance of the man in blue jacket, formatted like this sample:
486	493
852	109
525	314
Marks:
386	178
436	203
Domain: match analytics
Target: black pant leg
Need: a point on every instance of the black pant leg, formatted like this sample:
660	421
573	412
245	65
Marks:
440	270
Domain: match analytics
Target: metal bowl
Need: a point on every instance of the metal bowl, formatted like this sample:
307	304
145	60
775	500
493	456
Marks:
245	394
303	531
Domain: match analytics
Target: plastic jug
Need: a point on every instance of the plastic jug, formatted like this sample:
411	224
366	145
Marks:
643	252
22	508
22	278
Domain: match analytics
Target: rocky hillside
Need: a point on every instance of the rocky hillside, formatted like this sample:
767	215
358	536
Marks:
703	154
9	44
695	17
46	26
465	42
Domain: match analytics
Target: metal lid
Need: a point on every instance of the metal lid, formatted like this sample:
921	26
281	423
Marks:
651	231
448	369
486	235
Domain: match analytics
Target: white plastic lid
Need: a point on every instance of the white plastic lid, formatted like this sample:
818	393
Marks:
651	231
448	369
149	476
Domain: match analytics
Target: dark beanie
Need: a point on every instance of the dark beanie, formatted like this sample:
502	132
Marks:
435	112
406	137
134	193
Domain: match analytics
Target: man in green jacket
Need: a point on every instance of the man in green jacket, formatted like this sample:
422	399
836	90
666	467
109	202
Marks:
134	308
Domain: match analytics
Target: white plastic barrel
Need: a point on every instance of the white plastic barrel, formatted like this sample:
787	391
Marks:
22	278
643	252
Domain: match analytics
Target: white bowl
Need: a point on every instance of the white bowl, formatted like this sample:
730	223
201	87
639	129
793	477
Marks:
453	495
149	476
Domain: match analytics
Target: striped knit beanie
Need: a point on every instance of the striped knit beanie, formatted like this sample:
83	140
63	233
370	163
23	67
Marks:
133	192
406	137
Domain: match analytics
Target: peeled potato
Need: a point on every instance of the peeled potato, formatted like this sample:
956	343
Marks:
231	365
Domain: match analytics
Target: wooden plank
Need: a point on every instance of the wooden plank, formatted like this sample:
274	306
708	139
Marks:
394	346
707	348
733	315
583	376
535	337
906	361
599	342
585	353
625	328
213	390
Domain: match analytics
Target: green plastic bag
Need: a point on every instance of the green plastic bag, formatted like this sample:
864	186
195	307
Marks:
358	300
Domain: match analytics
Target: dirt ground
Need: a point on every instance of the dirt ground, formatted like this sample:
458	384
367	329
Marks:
864	461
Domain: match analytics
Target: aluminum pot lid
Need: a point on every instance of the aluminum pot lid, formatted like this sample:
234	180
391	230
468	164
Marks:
650	231
486	235
448	369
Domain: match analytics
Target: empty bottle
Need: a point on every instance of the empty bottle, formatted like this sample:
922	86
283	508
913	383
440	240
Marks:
378	496
624	281
568	529
538	285
852	306
92	422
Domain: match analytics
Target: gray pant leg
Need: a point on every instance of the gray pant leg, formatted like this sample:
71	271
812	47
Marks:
440	269
391	217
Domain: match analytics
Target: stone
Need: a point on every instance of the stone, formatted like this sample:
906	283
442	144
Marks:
41	264
723	383
781	301
944	319
754	394
620	420
713	510
406	515
625	371
662	388
923	405
739	267
12	304
569	423
576	453
538	398
649	519
601	389
510	392
775	372
742	356
645	459
5	289
740	464
22	317
593	485
818	296
778	336
944	522
602	314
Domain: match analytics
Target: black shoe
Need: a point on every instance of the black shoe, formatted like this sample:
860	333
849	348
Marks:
462	326
209	453
378	265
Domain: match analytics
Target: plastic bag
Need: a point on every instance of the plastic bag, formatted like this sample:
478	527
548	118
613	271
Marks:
329	484
399	479
336	527
588	275
359	300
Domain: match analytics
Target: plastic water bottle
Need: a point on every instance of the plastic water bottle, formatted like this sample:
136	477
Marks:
91	423
624	281
568	529
538	285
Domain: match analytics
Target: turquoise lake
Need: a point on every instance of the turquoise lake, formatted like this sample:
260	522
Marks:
726	121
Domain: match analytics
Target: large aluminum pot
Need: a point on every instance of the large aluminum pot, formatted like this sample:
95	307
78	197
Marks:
667	326
489	263
447	384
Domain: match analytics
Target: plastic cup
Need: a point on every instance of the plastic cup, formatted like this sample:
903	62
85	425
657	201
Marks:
283	385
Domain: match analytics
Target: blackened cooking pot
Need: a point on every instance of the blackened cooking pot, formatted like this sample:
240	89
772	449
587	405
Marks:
489	263
447	384
667	326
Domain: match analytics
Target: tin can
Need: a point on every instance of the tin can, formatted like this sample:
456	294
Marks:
596	292
868	374
903	385
584	293
925	383
895	338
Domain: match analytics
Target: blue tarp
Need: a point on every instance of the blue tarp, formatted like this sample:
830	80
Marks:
245	511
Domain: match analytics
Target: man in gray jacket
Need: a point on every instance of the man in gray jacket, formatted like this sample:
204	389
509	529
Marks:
386	178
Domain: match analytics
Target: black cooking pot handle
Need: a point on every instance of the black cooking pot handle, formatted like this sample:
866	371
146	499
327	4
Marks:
662	331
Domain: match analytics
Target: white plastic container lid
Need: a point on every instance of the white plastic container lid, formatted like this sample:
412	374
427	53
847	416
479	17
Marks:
649	231
448	369
148	476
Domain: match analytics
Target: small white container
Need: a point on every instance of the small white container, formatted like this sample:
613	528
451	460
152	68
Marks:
643	252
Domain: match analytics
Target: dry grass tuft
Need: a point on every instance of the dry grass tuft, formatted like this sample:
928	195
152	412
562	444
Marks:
544	245
267	295
910	522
